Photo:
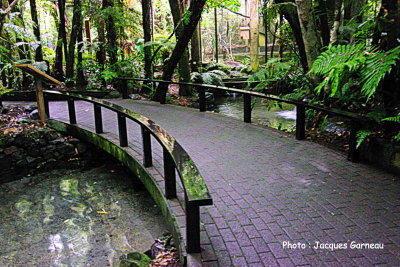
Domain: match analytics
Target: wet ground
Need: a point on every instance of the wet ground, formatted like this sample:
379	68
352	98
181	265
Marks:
75	218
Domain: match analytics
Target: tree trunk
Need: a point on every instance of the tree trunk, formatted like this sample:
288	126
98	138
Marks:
183	66
195	50
292	17
36	31
311	40
323	21
80	77
195	10
111	35
76	25
389	21
61	42
101	52
148	69
337	21
266	30
255	62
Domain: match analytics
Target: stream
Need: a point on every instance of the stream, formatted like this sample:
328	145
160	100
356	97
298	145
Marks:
274	117
75	218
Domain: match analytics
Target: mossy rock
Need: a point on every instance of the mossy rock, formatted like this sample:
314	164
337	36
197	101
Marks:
135	259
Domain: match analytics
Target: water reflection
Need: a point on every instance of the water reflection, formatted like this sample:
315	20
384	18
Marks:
275	117
75	218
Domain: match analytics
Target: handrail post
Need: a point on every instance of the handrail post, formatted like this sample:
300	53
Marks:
123	135
169	175
202	99
98	120
71	110
46	106
247	108
124	88
192	228
147	156
353	152
300	122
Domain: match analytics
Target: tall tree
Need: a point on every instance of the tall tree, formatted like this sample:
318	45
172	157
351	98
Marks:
290	14
76	26
254	34
311	39
147	29
36	31
112	43
183	66
61	42
195	50
195	10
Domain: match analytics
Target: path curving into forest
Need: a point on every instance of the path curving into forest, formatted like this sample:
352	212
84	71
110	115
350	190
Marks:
272	192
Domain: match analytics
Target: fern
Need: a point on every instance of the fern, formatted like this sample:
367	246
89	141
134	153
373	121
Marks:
376	68
340	64
361	136
393	119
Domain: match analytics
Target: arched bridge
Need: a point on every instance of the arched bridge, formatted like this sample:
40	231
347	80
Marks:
275	198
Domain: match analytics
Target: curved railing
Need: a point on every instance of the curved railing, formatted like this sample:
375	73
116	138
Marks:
356	120
174	156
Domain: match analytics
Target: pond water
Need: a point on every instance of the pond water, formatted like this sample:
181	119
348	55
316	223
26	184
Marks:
262	113
75	218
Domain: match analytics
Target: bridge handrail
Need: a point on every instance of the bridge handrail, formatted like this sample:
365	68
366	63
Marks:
301	106
332	111
175	157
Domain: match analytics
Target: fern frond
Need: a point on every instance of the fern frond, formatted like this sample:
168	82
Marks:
376	68
361	136
393	119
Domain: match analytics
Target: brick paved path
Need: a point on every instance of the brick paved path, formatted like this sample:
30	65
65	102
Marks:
269	188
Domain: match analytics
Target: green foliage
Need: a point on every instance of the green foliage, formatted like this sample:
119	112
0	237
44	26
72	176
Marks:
345	66
274	71
231	4
393	119
361	136
213	77
186	17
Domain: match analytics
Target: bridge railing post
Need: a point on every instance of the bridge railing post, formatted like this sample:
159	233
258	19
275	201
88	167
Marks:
98	120
247	108
192	228
202	99
122	131
71	110
147	156
353	152
46	106
169	175
300	122
124	88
